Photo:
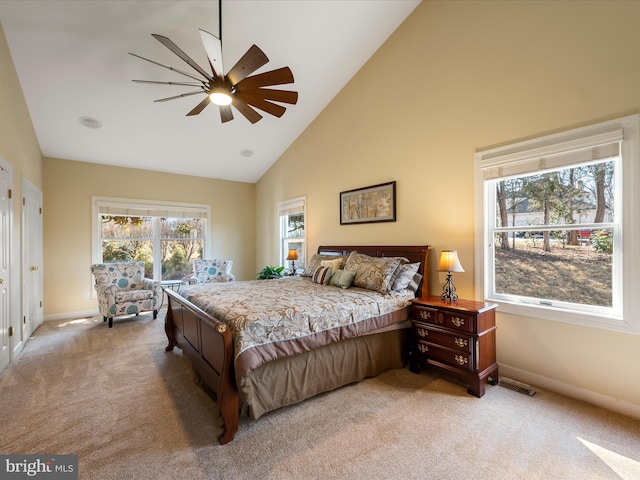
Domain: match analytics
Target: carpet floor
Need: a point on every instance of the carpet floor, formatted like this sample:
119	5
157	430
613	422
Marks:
130	410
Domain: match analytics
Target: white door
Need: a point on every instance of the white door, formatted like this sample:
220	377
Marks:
6	223
31	258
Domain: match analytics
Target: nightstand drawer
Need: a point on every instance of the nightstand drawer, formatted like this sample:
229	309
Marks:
459	359
424	314
458	341
444	318
455	320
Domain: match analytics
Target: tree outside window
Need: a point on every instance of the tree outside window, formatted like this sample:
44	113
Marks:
180	241
559	225
540	227
292	234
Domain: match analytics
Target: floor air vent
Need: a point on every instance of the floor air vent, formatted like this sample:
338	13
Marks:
517	387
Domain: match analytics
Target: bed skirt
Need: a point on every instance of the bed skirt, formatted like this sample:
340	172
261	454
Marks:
290	380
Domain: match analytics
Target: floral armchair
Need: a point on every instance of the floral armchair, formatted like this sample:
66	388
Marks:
123	290
206	271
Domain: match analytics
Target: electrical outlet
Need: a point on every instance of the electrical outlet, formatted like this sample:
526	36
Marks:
85	294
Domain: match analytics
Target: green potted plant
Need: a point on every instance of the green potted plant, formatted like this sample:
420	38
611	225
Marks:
270	272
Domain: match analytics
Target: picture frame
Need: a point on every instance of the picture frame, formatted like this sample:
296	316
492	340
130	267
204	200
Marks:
373	204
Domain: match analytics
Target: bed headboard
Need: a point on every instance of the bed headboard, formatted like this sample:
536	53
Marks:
413	253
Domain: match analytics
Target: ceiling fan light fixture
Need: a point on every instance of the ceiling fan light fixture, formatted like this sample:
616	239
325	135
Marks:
220	96
237	87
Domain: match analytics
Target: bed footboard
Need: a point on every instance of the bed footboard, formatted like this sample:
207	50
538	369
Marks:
207	343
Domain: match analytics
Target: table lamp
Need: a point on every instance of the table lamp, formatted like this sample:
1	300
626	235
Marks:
293	256
449	263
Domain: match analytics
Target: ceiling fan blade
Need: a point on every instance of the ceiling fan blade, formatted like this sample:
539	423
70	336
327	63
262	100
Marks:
186	84
169	68
175	49
180	96
249	63
274	77
198	108
213	47
256	100
249	113
226	113
283	96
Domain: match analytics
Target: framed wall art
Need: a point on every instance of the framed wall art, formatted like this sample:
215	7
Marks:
376	203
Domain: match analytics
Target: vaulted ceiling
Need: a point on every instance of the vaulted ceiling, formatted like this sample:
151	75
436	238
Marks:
73	62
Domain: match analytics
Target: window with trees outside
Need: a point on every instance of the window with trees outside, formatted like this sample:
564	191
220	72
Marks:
167	237
560	225
292	234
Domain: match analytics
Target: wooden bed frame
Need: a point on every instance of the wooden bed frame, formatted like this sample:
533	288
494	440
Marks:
207	341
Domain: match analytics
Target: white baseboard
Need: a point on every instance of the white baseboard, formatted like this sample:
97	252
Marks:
70	315
604	401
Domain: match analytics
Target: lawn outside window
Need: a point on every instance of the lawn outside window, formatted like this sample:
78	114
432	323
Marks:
558	227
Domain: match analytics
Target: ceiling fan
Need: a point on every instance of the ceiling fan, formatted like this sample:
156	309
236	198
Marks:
235	87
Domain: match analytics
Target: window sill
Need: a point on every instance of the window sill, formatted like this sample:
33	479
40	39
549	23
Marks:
553	314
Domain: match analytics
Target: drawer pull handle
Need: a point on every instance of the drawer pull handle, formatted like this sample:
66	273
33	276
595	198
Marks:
461	360
423	333
423	348
457	321
461	342
425	315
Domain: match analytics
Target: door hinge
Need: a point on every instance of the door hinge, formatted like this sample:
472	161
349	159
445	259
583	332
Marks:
24	201
40	303
24	319
40	210
9	193
11	331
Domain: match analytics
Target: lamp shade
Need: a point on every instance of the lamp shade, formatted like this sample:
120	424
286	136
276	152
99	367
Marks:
293	254
449	262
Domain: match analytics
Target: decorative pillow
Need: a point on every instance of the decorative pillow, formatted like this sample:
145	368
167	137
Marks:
342	278
415	283
314	263
322	275
405	275
372	273
334	264
403	261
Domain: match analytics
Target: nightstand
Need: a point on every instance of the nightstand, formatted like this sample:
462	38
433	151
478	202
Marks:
459	338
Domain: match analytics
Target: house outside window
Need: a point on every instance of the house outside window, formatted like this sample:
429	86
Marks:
558	225
292	232
167	237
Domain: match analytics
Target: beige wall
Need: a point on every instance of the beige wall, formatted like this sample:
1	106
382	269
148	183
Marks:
18	147
68	189
455	78
459	77
18	143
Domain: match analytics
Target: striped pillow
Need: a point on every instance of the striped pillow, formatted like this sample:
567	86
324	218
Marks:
322	275
415	283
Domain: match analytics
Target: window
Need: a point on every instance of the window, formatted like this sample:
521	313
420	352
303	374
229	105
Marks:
558	225
292	233
167	237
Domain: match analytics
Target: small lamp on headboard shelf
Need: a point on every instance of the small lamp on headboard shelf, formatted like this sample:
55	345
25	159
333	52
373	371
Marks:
449	263
293	256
